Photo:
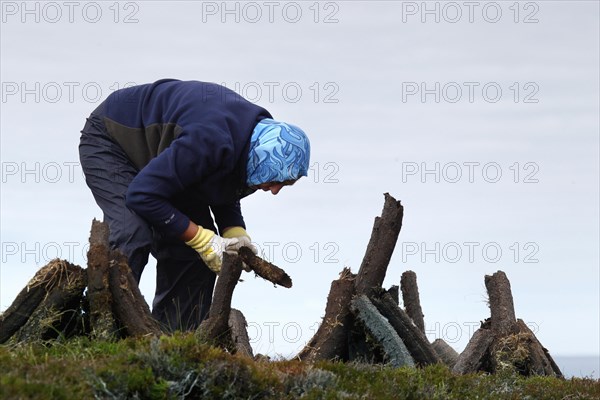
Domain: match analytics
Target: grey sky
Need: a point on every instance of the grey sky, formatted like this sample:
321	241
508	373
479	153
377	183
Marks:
484	124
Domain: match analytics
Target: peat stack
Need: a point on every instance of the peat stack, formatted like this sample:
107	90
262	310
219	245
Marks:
49	307
503	341
362	321
55	302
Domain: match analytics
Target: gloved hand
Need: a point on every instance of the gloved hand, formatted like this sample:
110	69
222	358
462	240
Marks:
242	236
210	247
243	240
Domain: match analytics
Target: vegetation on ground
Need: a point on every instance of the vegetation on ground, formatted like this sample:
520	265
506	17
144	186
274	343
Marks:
179	366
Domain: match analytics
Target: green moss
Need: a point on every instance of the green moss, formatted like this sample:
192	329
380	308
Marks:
179	365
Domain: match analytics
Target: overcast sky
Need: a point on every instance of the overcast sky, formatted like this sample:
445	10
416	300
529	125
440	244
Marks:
481	117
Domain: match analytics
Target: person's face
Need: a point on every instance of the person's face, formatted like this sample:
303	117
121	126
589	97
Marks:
273	187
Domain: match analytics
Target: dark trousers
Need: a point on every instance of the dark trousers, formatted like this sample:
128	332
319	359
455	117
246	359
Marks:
184	284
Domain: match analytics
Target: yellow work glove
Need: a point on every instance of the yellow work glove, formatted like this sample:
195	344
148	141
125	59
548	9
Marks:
242	236
210	247
243	240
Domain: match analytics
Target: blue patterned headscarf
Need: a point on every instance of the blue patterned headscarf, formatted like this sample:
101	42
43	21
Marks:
278	152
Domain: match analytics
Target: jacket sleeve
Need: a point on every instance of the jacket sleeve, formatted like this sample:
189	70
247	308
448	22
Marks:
193	156
228	215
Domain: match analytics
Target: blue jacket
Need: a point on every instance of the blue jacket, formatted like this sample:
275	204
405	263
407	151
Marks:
189	140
